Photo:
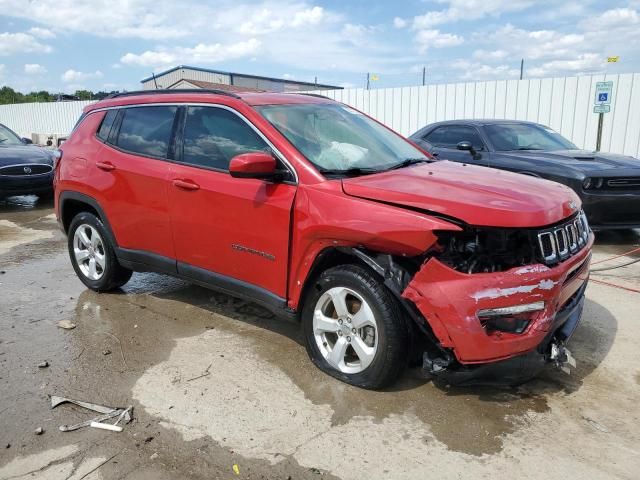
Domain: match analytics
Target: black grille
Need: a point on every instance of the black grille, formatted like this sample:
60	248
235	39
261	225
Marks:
629	183
26	170
562	241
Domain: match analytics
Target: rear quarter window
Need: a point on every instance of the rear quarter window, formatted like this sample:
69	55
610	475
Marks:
105	126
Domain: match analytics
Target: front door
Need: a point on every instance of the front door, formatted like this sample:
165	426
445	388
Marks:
442	143
227	229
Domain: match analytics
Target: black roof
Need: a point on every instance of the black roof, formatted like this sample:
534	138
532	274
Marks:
480	122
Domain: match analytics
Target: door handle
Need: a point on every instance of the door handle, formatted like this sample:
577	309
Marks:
186	184
106	166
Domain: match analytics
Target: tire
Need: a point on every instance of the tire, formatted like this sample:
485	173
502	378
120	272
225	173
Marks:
372	359
92	254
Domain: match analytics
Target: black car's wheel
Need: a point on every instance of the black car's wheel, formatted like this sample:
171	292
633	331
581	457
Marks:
92	254
353	328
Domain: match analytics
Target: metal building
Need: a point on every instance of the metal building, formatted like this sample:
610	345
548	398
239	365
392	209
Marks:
184	76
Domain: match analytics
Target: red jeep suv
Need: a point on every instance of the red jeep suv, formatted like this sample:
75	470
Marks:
320	213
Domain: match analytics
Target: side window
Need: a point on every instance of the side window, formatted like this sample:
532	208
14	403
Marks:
147	130
449	136
213	136
105	126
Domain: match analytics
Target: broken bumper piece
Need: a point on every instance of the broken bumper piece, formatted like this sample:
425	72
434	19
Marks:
501	321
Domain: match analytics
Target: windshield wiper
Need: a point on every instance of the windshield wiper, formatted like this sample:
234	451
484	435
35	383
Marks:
408	162
349	172
528	148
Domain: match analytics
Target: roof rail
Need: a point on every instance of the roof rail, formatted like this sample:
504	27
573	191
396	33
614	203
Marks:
312	95
167	91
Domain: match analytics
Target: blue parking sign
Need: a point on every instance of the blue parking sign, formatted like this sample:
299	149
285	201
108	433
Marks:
604	92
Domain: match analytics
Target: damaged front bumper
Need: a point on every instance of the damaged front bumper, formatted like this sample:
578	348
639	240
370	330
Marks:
451	302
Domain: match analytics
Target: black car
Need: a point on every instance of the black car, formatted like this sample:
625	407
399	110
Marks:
608	184
24	168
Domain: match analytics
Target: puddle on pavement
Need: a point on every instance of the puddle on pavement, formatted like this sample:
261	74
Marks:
178	330
13	235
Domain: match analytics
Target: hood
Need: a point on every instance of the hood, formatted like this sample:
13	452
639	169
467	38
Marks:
476	195
16	154
583	161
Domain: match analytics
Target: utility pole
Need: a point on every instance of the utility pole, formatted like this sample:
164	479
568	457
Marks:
424	76
367	81
521	68
315	82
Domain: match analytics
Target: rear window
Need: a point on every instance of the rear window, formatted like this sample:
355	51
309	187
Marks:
147	130
105	126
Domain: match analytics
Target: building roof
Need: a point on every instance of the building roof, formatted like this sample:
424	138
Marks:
216	86
221	72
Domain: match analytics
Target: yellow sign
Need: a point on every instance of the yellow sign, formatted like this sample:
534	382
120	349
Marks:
613	59
374	77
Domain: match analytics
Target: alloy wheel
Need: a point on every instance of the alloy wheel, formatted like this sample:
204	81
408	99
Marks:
345	330
89	252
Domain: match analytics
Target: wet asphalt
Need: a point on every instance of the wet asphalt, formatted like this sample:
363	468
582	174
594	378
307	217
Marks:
217	382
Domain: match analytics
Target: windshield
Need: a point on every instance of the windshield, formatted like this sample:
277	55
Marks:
338	139
522	136
7	137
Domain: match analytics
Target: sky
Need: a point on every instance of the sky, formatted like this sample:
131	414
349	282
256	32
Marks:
65	45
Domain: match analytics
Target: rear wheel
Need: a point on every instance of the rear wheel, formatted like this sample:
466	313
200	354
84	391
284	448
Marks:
354	330
92	254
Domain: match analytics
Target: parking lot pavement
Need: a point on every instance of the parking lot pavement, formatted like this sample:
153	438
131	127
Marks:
218	382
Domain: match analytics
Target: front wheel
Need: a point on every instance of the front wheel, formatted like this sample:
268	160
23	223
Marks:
353	327
92	254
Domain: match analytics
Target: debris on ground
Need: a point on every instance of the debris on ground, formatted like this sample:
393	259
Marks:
154	456
204	374
44	364
97	422
236	469
106	351
39	431
66	324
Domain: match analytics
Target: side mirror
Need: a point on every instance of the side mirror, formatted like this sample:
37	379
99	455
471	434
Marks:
465	146
26	141
253	165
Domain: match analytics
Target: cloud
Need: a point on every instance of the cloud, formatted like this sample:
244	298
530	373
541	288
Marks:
461	10
75	76
42	33
12	43
585	63
34	69
534	44
434	39
311	16
200	54
479	71
485	55
399	22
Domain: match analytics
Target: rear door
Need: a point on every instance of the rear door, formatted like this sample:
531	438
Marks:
132	171
442	142
228	230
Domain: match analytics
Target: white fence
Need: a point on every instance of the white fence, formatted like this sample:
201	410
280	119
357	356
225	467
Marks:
44	118
565	104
